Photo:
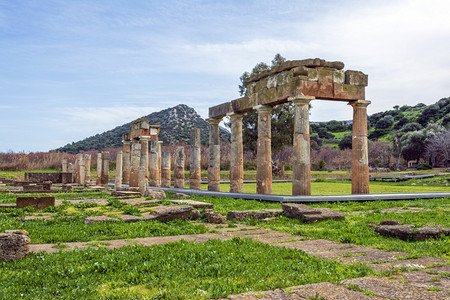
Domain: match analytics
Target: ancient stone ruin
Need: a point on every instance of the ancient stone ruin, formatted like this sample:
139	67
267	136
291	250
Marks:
299	82
14	245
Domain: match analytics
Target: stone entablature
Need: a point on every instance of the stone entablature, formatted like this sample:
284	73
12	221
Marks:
310	78
297	81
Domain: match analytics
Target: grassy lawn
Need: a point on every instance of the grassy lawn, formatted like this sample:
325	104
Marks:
330	187
179	270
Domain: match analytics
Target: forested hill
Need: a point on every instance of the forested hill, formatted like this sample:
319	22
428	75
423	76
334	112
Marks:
176	124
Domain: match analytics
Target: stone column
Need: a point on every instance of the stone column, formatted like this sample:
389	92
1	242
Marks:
118	178
155	169
105	167
165	169
159	156
236	155
65	164
87	177
264	155
142	179
144	154
301	166
214	155
99	169
195	171
77	167
135	160
179	168
82	171
126	161
360	152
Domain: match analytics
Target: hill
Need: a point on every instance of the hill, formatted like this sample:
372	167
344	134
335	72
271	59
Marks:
381	125
176	124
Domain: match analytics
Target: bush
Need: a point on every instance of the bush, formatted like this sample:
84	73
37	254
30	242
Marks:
424	167
225	166
250	165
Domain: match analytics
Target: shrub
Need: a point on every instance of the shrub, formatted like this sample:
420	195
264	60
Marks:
424	167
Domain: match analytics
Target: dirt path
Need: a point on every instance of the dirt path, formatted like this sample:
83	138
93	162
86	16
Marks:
422	278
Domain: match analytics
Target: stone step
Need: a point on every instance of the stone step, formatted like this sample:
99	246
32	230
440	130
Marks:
391	288
324	290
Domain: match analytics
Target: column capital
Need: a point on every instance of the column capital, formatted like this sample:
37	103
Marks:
126	142
359	103
236	116
301	100
263	108
214	121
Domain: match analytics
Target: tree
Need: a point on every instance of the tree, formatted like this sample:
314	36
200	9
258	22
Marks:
282	122
278	60
385	122
414	142
438	149
411	127
346	142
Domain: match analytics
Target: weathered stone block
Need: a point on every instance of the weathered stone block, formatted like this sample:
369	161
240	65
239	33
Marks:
220	110
96	219
155	194
241	215
403	232
355	78
215	218
194	204
390	222
35	202
429	232
309	214
339	77
169	213
14	245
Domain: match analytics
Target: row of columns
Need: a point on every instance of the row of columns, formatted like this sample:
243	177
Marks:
301	177
135	157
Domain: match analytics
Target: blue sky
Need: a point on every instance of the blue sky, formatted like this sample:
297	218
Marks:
72	69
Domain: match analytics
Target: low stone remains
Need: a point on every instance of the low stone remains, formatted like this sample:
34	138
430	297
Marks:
309	214
155	194
35	202
215	218
180	195
407	232
169	213
60	177
241	215
14	245
194	204
96	219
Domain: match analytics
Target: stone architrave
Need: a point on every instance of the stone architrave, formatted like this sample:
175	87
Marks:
126	161
65	164
87	167
236	155
214	155
360	152
155	171
264	155
301	166
82	171
195	177
144	154
135	161
142	179
118	178
105	167
179	168
165	169
99	169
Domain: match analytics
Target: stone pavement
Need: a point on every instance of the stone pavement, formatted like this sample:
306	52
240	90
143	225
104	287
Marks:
420	278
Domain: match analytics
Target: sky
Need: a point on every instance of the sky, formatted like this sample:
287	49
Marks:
72	69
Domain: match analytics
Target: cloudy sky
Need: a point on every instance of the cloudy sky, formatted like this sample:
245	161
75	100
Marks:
72	69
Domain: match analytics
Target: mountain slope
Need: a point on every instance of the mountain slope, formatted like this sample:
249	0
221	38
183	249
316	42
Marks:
176	124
